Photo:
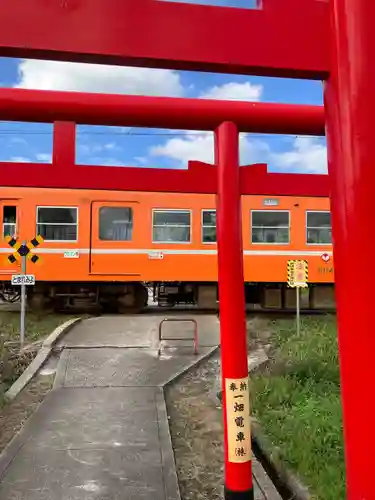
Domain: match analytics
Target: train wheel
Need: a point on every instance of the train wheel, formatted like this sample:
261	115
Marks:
39	303
133	302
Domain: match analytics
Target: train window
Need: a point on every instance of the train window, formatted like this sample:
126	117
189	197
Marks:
270	227
171	226
318	228
57	223
115	223
209	226
9	220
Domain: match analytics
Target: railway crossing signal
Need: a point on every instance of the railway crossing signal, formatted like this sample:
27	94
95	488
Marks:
23	249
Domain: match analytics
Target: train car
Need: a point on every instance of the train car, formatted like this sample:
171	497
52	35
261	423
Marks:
107	248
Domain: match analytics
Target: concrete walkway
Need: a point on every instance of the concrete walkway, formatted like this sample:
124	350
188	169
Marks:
102	433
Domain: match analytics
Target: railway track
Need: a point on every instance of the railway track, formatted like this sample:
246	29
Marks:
180	310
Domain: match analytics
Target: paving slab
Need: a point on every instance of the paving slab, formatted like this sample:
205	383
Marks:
97	418
125	367
90	443
84	475
141	331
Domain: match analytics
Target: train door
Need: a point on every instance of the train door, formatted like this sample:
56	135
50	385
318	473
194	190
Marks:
113	236
9	217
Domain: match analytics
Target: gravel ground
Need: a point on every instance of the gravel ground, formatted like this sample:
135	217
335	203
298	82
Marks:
14	414
196	423
196	429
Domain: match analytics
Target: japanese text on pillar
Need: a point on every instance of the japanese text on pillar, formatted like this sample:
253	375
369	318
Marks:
238	420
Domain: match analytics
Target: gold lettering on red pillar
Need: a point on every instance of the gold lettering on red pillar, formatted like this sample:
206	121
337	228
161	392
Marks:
238	420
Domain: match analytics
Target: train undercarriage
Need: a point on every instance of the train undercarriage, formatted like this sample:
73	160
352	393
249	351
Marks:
125	298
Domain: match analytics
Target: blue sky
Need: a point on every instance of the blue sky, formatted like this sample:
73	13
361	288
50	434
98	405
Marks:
158	148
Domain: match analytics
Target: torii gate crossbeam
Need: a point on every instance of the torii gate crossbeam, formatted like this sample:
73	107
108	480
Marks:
179	36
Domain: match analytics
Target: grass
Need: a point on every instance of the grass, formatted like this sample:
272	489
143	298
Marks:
13	362
298	404
36	328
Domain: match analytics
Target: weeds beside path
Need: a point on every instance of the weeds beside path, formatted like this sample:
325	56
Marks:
36	328
297	402
12	361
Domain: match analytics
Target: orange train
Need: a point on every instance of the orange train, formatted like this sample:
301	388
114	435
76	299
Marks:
108	248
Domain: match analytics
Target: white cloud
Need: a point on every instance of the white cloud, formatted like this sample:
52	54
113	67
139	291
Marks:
93	149
54	75
19	159
200	146
110	162
103	161
308	155
110	146
182	149
44	157
234	91
18	140
142	160
66	76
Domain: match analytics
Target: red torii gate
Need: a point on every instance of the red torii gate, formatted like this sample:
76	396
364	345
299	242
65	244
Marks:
317	39
231	182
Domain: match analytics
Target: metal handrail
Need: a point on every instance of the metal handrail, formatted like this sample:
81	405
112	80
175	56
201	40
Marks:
187	320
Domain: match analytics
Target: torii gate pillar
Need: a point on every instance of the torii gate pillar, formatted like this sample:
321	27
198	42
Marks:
350	111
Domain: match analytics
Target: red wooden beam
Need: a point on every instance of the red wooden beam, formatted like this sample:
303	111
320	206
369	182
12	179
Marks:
255	179
160	112
284	38
199	178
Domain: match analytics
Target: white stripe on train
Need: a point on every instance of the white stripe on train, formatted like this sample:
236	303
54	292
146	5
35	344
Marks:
169	251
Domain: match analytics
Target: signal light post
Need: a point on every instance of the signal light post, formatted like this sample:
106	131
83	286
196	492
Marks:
234	365
23	251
